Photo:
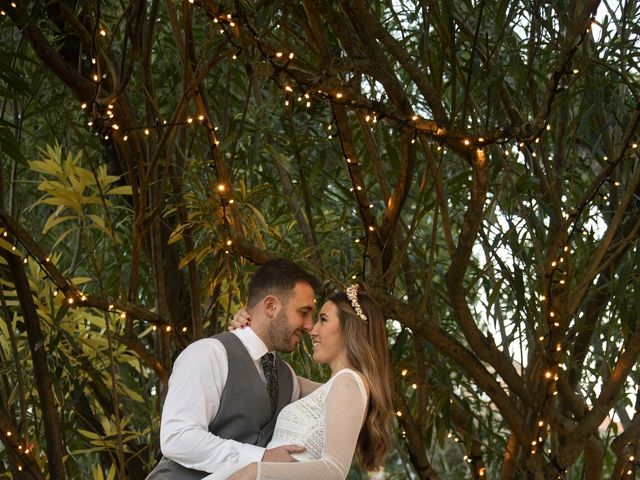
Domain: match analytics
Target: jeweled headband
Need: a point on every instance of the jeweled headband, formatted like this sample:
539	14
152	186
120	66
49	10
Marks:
352	295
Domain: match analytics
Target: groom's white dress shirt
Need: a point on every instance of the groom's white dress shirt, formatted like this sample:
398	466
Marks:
195	387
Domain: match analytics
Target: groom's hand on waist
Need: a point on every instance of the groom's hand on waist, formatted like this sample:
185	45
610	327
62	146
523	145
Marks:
282	453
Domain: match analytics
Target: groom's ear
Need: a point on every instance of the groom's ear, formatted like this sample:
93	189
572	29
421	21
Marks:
271	305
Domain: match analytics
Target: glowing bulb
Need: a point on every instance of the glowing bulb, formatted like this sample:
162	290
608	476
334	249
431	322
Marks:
168	328
404	372
399	413
222	188
338	95
466	141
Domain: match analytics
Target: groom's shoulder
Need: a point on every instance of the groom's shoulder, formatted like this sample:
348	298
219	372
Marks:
204	346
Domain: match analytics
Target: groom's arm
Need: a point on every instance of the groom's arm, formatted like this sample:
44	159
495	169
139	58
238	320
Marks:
192	402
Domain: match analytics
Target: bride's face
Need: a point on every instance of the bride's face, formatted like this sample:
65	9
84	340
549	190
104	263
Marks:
328	342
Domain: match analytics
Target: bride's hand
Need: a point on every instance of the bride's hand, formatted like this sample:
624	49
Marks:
240	320
250	472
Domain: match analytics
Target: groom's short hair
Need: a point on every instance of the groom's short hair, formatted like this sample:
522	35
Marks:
278	276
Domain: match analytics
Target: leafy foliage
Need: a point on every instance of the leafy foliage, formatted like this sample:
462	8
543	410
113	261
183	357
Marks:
475	165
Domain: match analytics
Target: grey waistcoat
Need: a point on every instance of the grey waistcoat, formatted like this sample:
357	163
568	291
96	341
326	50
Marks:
245	410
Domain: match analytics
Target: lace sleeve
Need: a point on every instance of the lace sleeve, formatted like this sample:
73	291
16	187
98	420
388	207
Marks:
344	411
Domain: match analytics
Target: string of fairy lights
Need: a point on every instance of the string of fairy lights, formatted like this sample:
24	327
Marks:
104	123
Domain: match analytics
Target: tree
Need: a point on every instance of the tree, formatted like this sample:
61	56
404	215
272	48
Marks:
474	165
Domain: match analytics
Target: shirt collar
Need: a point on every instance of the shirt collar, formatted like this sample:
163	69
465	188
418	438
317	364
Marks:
254	345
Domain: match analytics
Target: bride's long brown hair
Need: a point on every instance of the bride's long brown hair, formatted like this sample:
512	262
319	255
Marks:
368	352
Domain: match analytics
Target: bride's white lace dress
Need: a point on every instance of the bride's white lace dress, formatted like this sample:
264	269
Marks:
327	423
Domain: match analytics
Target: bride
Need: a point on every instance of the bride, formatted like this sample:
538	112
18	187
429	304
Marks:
349	413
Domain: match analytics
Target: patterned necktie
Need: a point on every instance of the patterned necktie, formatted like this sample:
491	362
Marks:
268	362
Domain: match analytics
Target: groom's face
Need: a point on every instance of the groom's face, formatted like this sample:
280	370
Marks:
294	319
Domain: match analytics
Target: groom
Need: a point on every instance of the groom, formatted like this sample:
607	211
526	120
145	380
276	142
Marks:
226	391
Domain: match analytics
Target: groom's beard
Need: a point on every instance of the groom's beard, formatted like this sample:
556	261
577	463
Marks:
283	336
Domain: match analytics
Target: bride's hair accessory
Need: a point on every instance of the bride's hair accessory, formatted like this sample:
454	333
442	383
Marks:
352	295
